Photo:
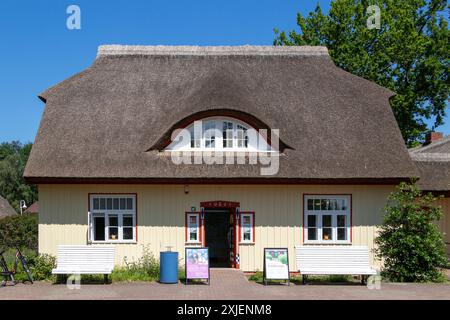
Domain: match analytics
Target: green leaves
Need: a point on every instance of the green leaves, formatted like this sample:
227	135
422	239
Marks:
146	268
19	231
409	54
13	158
409	242
41	266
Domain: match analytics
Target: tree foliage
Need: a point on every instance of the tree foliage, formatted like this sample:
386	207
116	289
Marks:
409	243
13	157
409	54
19	231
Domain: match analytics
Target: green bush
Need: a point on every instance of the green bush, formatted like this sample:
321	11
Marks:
41	266
10	255
334	278
258	277
182	274
410	243
19	231
146	268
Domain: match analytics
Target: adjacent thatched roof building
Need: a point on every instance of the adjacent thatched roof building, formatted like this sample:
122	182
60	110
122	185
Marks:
33	209
5	208
108	123
433	162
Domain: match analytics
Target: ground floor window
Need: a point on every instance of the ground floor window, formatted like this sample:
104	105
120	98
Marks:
193	227
112	218
327	218
247	227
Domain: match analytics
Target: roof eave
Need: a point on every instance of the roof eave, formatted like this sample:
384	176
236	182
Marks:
258	180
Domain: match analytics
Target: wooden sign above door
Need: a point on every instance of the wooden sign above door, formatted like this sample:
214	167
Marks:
219	204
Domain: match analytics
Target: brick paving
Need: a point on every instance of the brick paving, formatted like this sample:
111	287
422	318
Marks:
225	284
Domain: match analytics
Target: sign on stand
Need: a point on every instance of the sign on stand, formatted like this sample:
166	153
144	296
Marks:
276	264
197	264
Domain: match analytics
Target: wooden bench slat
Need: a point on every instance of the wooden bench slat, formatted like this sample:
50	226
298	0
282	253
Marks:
85	259
339	260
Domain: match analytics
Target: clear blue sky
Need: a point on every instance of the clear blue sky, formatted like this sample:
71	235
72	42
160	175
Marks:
38	51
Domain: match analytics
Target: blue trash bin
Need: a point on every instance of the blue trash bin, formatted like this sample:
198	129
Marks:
168	267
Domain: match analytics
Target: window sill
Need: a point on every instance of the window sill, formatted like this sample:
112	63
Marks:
192	243
246	243
327	243
114	242
212	150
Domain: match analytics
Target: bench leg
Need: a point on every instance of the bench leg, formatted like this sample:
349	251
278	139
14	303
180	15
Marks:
61	278
105	279
363	279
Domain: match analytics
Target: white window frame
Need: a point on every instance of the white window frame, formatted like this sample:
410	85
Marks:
188	227
227	131
240	129
252	226
120	213
255	141
334	213
209	134
196	142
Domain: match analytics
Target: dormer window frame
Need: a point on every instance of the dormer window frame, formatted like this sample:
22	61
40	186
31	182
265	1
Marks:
222	134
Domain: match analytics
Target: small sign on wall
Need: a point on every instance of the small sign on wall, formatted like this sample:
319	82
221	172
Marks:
197	264
276	264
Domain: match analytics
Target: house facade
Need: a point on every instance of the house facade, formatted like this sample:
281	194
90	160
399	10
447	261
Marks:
233	148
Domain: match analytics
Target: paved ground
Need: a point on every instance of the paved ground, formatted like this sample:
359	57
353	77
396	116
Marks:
225	284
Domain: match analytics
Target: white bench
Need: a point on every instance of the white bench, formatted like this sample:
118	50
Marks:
333	260
82	259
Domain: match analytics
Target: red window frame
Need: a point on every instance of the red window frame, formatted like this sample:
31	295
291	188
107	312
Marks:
186	227
252	213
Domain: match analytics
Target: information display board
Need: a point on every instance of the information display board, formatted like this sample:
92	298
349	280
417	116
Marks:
197	264
276	264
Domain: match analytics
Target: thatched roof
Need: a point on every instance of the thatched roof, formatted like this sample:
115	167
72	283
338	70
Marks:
103	123
34	208
5	208
433	162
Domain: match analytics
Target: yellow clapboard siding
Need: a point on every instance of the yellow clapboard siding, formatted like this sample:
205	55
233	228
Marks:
161	215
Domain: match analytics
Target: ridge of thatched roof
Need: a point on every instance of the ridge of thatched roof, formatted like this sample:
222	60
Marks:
441	146
247	50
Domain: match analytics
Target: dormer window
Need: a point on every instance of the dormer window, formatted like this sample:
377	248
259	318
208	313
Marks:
223	134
